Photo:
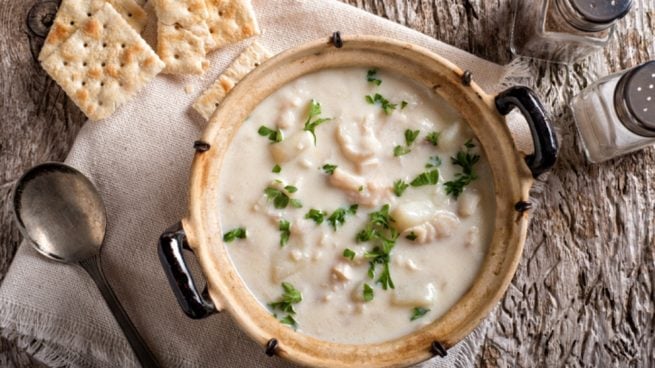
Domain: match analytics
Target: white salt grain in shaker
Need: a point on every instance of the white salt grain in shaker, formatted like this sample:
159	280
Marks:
564	30
616	114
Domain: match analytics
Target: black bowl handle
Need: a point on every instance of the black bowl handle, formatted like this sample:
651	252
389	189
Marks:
543	135
196	305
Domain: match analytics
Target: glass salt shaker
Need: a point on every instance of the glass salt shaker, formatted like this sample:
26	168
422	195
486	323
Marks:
616	114
564	30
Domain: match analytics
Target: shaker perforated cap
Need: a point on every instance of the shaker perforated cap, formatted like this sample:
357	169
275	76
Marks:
602	11
635	99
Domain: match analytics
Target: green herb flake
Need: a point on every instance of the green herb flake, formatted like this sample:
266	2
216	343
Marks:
387	106
238	233
279	198
276	169
466	160
314	112
379	231
433	138
316	215
381	255
274	136
368	293
403	104
411	236
418	312
290	321
285	304
338	217
410	136
434	161
371	76
349	253
399	187
401	151
285	232
426	178
329	168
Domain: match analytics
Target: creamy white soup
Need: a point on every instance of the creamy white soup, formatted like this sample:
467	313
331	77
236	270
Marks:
356	205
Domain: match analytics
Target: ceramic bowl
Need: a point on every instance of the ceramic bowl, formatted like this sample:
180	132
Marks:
512	172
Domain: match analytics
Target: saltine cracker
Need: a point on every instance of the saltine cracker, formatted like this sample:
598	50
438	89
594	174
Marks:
103	64
249	59
73	13
183	37
231	21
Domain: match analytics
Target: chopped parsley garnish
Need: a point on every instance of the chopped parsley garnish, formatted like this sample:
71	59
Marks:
238	233
469	144
434	161
316	215
285	304
466	160
276	169
281	199
399	187
377	98
329	168
426	178
273	135
285	232
368	293
349	253
403	104
288	320
411	236
381	255
379	231
314	112
418	312
410	136
401	151
338	217
433	138
371	76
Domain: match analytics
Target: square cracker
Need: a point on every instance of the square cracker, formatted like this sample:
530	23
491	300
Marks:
73	13
103	64
231	21
183	37
249	59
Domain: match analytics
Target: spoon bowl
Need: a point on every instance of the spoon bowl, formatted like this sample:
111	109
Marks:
60	212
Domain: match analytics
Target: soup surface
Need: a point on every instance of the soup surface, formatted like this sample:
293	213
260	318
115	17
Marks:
356	205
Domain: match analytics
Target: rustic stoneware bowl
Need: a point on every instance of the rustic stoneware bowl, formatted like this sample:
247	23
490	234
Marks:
513	174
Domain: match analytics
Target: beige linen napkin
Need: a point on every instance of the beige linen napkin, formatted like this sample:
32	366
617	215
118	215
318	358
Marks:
139	159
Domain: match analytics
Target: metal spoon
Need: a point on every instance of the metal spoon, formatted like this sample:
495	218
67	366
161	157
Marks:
62	215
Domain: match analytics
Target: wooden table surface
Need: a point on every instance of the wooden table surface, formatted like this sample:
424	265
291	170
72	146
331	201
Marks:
584	292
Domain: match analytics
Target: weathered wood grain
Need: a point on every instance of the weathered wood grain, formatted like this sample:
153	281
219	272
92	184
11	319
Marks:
584	293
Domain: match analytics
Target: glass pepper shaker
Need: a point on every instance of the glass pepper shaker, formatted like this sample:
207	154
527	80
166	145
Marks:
616	114
564	30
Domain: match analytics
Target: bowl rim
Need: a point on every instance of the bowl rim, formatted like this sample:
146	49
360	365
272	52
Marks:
511	178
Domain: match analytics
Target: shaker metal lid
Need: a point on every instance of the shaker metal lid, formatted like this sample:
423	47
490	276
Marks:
602	11
635	98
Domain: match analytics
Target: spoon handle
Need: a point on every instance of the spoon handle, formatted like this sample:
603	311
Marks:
143	353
